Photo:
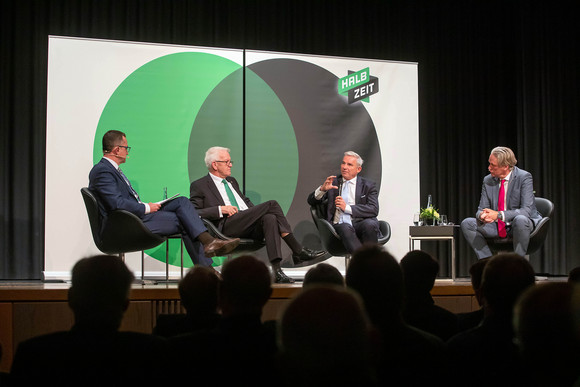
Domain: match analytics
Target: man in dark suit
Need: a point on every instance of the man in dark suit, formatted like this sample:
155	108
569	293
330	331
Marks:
353	211
502	211
218	198
107	181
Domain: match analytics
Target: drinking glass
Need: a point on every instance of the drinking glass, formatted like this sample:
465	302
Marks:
417	219
443	220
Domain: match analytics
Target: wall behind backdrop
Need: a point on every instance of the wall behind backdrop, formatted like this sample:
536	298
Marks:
490	73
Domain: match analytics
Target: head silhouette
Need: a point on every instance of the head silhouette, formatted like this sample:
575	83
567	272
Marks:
323	273
198	290
546	324
99	294
505	277
377	277
245	287
324	336
419	272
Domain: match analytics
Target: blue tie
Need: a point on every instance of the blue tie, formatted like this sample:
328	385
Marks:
129	184
345	218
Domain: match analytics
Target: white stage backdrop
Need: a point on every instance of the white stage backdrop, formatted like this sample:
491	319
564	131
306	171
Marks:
288	119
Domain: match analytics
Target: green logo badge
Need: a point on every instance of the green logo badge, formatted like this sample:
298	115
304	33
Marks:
358	86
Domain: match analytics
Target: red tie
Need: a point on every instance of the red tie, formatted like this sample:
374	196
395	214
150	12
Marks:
501	207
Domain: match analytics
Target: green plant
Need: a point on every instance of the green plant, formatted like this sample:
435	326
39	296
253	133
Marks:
429	213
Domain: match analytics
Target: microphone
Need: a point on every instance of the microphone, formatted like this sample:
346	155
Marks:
339	185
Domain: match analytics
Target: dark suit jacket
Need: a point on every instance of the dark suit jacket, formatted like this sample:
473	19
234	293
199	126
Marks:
88	357
206	198
114	193
519	198
366	200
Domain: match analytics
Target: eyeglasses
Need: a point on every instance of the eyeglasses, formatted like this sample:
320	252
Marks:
127	148
228	162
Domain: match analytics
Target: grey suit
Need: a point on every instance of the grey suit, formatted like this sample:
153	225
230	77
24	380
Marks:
521	215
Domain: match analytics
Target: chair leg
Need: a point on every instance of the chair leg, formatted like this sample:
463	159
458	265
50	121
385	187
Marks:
167	260
142	265
346	261
181	239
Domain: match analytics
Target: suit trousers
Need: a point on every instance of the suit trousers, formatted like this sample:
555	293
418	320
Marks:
361	232
476	232
265	220
179	216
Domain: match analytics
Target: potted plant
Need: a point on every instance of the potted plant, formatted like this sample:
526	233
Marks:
429	216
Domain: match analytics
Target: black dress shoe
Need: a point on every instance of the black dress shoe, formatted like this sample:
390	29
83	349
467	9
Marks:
220	247
281	278
306	255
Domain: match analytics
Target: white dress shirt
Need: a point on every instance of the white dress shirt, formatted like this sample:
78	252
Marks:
242	206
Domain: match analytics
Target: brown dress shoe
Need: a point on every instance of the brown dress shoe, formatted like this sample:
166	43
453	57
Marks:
220	247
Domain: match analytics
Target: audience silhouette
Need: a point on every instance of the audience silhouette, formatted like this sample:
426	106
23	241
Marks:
240	350
198	291
472	319
324	339
490	345
323	273
419	273
574	275
94	352
376	327
402	350
547	321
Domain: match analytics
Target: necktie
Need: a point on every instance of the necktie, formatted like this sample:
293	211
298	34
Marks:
129	184
231	196
345	218
501	207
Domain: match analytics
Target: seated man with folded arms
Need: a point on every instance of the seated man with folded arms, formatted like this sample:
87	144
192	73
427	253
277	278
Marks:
506	207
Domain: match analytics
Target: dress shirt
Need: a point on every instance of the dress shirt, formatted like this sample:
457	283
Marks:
318	194
505	189
242	206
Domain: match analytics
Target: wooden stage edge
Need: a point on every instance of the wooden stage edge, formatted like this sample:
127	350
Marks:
30	291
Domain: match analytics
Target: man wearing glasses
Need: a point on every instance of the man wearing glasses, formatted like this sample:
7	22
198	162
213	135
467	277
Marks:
218	198
109	183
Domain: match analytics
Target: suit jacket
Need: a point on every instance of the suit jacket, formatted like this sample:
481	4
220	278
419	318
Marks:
106	182
366	200
206	198
519	199
90	357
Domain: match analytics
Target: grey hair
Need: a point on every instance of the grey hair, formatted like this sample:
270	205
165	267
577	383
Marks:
505	156
359	159
212	155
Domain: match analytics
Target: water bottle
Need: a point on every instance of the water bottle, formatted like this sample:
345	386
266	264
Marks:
429	201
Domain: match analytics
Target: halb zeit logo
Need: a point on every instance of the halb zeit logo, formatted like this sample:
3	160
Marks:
359	86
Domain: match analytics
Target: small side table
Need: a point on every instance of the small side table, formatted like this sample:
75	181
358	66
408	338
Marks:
434	233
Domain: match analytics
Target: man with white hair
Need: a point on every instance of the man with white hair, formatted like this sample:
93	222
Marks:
352	203
218	198
506	207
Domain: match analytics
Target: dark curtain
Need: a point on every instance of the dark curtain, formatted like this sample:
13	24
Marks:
490	73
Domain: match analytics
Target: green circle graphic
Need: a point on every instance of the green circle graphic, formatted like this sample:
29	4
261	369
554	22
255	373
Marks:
175	107
156	106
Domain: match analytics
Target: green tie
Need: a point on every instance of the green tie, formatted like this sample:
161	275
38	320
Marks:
231	196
